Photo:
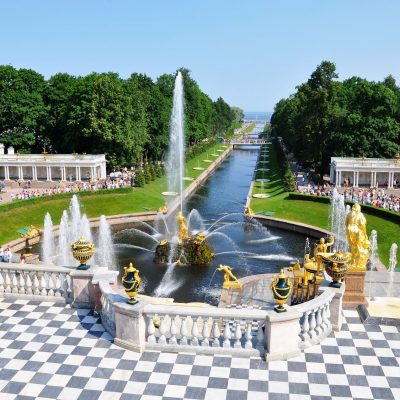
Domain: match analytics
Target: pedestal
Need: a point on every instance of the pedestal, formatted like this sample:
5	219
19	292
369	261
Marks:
229	296
354	293
336	304
282	334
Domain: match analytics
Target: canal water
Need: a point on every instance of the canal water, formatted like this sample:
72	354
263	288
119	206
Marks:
247	248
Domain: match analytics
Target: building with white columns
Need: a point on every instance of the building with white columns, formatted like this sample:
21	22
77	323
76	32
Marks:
365	171
51	167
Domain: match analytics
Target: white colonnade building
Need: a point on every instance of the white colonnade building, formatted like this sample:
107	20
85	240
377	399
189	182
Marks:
368	172
51	167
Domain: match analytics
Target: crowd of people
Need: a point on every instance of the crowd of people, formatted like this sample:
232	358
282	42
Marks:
369	196
116	179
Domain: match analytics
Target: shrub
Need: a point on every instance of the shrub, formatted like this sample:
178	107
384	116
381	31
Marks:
139	178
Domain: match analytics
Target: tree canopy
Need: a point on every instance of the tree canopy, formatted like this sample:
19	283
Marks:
128	119
326	117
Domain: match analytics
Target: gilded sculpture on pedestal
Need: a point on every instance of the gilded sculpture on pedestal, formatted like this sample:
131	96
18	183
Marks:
228	275
357	238
183	230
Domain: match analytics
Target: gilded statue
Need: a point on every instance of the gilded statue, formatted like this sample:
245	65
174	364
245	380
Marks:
356	231
183	230
228	275
248	211
322	247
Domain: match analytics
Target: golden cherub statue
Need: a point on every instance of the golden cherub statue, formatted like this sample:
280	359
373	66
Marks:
248	211
228	275
163	209
183	230
356	231
322	248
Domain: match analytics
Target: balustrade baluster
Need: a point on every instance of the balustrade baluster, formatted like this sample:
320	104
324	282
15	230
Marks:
1	284
260	336
42	285
8	283
28	284
206	334
150	330
57	285
248	336
318	329
21	283
36	285
195	333
328	315
216	334
238	336
227	335
50	285
184	332
163	330
14	282
312	333
305	327
173	331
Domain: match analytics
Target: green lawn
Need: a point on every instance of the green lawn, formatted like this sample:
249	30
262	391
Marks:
314	213
27	212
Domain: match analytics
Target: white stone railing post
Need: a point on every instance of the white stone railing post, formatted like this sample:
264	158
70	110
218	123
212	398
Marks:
334	313
130	326
282	334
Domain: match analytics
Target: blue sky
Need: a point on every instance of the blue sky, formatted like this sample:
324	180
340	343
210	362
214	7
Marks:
252	53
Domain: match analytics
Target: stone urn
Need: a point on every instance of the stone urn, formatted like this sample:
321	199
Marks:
336	266
82	250
131	283
281	288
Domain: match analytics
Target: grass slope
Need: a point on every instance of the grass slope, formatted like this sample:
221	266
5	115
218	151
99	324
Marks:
27	212
313	213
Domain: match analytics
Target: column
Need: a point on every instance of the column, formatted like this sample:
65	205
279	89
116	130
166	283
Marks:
91	173
6	173
391	179
372	179
49	173
356	179
340	179
34	173
64	173
79	173
21	173
337	179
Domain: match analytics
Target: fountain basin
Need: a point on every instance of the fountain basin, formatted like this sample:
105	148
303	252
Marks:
261	195
262	180
169	193
187	178
198	168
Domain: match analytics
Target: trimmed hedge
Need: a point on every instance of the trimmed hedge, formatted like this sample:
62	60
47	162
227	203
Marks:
36	200
378	212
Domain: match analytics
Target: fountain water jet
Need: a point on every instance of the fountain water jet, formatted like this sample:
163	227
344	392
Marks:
175	159
48	247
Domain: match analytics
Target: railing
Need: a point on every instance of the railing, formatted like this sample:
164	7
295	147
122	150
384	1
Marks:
246	141
107	312
205	330
31	281
315	322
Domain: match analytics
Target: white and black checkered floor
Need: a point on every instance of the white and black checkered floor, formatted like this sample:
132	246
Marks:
49	351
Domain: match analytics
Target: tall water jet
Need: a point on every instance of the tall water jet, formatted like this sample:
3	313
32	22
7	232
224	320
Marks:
48	247
337	218
374	250
105	251
393	257
175	159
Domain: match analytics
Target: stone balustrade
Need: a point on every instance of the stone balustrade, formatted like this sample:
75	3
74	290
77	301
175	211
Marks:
206	330
35	281
235	331
315	321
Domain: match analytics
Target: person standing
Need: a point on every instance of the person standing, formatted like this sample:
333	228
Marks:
1	254
7	255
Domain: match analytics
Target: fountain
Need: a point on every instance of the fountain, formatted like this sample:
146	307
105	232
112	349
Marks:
393	258
337	217
73	225
175	159
373	260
